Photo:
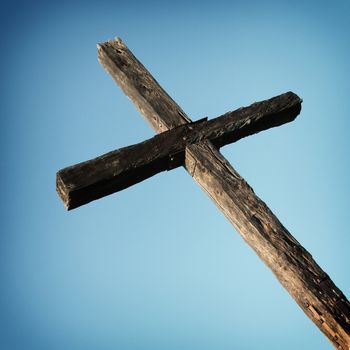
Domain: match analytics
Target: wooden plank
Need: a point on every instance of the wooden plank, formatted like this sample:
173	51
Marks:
293	266
159	109
246	121
311	287
116	170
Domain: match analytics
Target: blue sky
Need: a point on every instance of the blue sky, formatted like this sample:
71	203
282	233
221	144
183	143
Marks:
157	265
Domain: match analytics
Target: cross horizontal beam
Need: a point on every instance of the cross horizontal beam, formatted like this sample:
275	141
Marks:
117	170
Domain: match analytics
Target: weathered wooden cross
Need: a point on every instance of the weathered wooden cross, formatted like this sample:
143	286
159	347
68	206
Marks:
195	145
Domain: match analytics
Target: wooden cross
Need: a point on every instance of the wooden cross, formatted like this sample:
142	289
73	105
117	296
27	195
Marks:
195	145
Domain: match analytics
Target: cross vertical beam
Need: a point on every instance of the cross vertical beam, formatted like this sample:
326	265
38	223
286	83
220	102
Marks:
293	266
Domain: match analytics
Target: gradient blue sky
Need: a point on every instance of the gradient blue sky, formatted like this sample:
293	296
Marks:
157	266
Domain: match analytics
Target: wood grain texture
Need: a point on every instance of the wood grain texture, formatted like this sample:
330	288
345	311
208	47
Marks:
293	266
117	170
159	109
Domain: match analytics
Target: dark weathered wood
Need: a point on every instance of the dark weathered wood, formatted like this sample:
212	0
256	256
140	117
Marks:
159	109
294	267
114	171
